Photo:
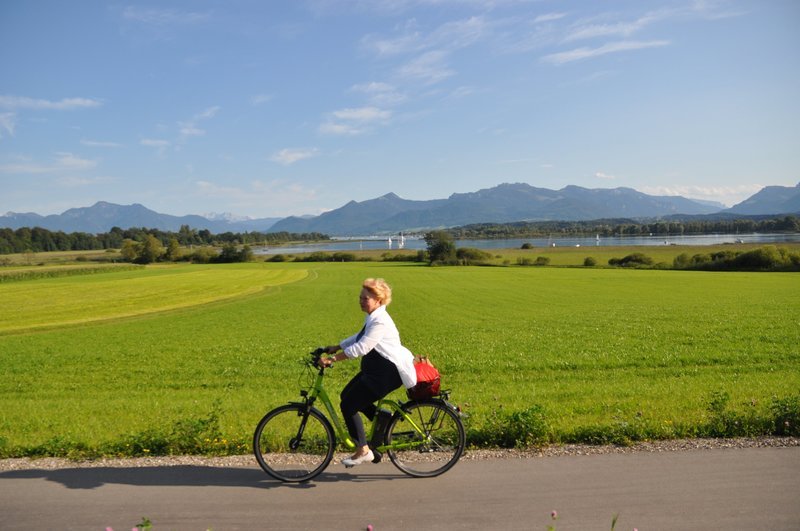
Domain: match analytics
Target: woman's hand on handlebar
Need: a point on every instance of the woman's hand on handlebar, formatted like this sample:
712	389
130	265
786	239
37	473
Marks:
327	361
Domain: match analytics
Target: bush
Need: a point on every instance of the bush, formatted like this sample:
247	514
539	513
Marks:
203	255
419	256
470	255
786	416
682	261
518	429
766	258
762	258
724	422
276	258
527	246
231	254
343	257
527	428
317	256
632	260
589	261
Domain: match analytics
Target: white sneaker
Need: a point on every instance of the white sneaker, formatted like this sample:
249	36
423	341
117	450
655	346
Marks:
351	462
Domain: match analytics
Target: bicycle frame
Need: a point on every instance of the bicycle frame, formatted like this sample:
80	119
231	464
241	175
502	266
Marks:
318	392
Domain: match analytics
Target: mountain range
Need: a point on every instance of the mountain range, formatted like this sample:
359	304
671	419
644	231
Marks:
102	216
391	213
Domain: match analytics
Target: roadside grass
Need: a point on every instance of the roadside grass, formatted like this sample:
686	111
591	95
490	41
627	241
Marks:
533	355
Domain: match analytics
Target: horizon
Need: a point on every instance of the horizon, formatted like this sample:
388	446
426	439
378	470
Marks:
235	216
270	110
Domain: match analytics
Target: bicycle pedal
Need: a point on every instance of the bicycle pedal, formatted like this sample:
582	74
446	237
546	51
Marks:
377	456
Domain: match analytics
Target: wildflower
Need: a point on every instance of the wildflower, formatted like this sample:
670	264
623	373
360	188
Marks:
554	515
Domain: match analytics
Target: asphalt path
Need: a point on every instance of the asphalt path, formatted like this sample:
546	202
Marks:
725	489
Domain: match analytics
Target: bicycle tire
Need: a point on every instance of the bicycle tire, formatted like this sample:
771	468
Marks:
286	457
436	449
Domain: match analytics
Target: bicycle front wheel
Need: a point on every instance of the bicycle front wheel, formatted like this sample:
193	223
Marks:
293	444
429	442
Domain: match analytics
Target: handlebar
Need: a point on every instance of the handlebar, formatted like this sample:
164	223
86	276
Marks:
315	357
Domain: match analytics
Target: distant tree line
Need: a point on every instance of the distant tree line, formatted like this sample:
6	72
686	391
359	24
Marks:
780	224
40	240
766	258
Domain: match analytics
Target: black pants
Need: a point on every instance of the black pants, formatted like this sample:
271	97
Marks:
378	378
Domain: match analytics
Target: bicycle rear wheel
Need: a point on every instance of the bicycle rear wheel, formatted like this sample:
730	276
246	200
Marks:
433	446
292	445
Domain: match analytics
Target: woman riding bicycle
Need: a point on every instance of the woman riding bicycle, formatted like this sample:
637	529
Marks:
385	365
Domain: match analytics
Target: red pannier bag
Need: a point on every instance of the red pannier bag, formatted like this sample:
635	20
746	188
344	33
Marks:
428	380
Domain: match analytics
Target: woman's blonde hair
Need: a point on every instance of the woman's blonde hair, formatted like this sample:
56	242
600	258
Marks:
379	289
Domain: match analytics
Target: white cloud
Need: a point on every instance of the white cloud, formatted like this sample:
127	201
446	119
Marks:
461	33
260	99
606	176
289	156
68	161
149	142
354	121
339	129
74	181
163	17
8	121
281	198
96	143
409	43
188	129
588	53
159	145
450	35
429	68
63	162
24	167
462	92
728	195
549	17
363	114
207	113
22	102
617	29
380	93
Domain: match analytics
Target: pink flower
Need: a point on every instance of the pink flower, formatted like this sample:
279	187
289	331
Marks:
554	515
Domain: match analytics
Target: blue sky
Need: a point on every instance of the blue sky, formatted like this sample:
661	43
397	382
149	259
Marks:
276	108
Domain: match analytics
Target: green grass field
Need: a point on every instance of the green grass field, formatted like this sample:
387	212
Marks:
102	359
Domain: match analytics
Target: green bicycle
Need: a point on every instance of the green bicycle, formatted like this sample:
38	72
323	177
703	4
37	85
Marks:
295	442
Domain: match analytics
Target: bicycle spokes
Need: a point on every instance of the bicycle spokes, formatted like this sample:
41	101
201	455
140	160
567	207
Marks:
427	441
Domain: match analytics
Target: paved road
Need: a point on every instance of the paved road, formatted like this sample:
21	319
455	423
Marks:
727	489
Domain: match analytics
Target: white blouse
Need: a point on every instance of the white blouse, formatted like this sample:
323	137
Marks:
380	333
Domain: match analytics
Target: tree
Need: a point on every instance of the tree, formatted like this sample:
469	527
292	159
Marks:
441	247
129	250
150	250
173	250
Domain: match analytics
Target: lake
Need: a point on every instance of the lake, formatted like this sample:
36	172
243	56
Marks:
415	244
